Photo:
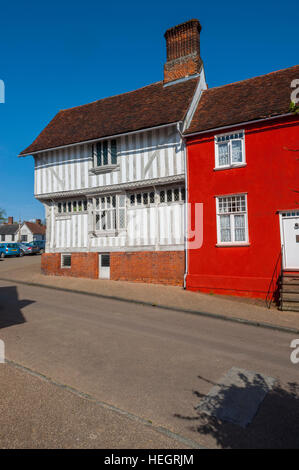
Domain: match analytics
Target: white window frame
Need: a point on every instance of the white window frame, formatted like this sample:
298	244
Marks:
232	215
104	166
73	203
62	261
120	206
157	197
228	138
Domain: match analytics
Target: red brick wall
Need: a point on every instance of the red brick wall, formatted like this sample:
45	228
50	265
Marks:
181	68
82	265
161	267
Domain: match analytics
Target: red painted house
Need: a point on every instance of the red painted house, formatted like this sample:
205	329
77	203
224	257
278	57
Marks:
242	164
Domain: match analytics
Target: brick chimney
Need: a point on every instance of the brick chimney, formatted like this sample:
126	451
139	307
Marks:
38	221
183	51
10	220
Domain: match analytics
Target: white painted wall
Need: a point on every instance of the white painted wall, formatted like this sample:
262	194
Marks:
141	156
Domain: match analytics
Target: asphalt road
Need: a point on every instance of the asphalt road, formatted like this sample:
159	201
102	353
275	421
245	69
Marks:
148	362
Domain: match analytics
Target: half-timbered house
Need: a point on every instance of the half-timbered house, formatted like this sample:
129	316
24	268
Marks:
111	175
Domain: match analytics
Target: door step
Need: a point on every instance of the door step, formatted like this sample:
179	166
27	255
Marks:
289	293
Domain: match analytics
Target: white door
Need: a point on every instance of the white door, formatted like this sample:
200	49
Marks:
290	235
104	266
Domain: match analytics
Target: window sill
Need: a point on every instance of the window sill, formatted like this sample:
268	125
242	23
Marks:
229	167
103	169
228	245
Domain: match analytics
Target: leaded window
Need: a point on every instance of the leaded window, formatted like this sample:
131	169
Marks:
232	224
230	149
105	153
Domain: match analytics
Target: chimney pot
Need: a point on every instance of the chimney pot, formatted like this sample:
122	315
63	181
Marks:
38	221
10	220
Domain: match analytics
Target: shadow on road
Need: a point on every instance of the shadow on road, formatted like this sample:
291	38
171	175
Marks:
274	426
10	307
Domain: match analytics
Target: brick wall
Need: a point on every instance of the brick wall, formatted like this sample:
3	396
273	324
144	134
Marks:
183	51
82	265
160	267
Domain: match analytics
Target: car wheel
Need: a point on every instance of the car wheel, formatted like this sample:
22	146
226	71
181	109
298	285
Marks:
2	255
21	253
41	251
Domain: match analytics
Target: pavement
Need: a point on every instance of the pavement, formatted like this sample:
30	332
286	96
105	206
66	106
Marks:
27	269
36	413
132	375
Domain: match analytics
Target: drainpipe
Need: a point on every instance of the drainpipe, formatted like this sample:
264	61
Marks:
186	203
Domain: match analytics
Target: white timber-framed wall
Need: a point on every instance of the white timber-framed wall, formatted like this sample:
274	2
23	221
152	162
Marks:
150	161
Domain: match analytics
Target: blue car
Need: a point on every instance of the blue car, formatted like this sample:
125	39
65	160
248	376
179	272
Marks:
41	244
10	249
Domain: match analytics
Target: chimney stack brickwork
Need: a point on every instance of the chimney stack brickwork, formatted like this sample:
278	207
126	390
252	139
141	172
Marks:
183	51
10	220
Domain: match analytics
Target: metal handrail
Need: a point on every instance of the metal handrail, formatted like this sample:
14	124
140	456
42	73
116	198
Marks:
277	274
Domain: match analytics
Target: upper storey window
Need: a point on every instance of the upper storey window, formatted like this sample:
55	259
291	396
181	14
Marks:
105	153
229	150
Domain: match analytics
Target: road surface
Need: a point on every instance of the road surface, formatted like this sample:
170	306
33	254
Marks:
148	363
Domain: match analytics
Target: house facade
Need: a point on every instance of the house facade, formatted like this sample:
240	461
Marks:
8	231
243	167
22	232
111	175
31	231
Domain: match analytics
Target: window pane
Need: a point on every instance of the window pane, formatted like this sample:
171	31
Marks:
69	205
236	151
98	227
145	198
113	152
85	205
122	200
121	218
99	154
59	207
183	193
225	233
138	199
240	228
162	196
75	206
132	199
176	194
223	156
80	206
64	207
105	152
169	195
152	198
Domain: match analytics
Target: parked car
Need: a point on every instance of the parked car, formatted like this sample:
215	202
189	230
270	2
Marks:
28	249
10	249
41	244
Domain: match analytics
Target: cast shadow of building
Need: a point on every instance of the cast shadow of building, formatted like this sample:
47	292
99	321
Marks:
11	307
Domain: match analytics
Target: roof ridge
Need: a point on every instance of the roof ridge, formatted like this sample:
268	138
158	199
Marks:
251	78
109	97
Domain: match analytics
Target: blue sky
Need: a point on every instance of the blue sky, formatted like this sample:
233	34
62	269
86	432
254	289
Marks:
54	55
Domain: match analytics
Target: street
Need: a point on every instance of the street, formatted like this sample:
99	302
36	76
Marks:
147	363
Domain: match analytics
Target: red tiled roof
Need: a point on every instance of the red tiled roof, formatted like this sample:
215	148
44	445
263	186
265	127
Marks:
36	229
146	107
247	100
